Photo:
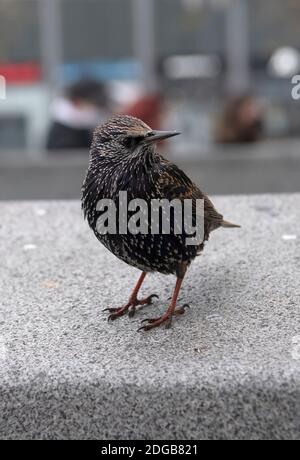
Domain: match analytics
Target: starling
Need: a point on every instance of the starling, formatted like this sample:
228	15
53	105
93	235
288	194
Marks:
123	157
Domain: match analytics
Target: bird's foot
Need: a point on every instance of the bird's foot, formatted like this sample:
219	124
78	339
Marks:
147	301
129	308
164	319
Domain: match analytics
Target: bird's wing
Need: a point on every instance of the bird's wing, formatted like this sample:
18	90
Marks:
173	183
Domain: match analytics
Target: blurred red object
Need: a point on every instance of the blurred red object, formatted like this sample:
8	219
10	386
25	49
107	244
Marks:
148	108
24	73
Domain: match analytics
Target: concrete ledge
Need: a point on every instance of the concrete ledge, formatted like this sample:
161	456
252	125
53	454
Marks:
228	369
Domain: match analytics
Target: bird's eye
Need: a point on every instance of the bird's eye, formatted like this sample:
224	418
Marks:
127	142
131	142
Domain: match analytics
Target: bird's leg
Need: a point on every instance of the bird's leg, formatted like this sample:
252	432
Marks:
132	303
167	316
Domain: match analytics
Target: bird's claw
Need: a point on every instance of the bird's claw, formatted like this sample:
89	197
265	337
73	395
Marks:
150	298
111	310
166	319
130	307
150	320
181	310
116	312
146	301
156	322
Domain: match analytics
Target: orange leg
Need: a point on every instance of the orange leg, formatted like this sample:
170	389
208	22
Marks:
167	316
133	302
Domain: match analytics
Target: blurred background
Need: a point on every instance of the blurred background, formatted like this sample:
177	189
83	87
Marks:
223	72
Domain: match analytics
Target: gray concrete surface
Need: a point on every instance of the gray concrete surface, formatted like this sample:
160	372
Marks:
267	167
228	369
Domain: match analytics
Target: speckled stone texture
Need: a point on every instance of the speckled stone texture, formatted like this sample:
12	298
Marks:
228	369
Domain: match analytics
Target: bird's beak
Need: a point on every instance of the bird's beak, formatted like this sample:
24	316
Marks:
156	136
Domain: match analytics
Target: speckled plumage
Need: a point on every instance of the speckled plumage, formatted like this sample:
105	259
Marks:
123	158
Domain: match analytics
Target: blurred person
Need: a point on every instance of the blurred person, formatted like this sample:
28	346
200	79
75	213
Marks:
83	106
148	107
242	121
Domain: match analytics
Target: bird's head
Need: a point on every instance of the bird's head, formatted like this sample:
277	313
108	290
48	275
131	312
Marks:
126	135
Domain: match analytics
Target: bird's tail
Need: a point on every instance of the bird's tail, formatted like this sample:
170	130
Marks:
227	224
